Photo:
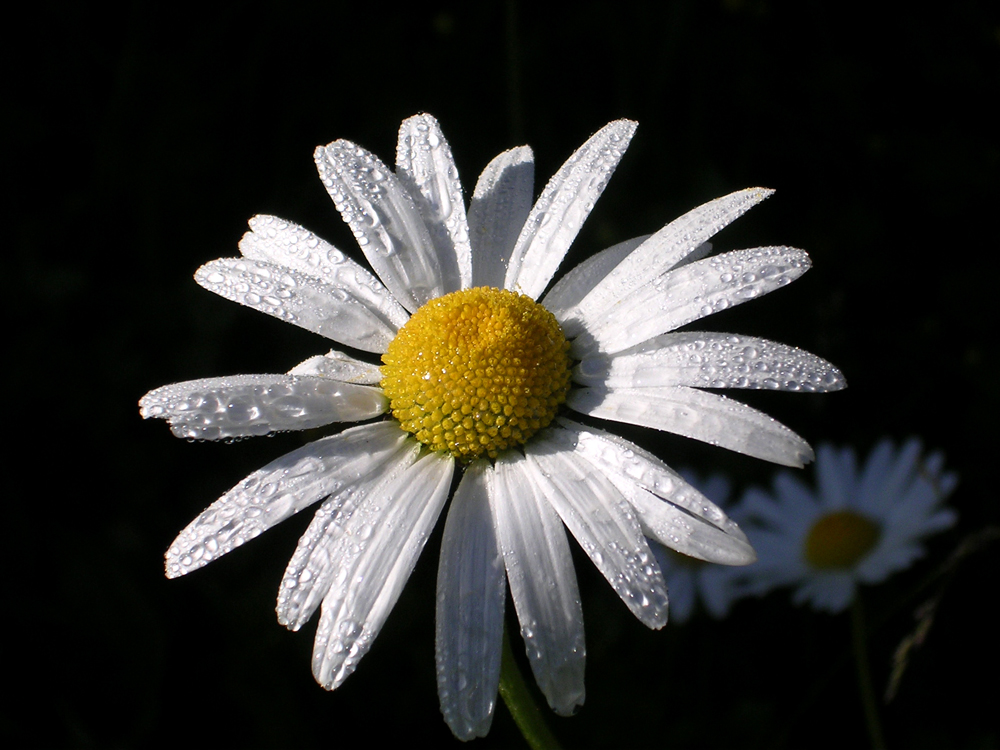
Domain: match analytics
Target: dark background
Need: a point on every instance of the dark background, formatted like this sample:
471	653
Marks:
142	136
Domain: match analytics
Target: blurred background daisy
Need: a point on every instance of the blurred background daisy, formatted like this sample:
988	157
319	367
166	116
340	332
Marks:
141	137
855	526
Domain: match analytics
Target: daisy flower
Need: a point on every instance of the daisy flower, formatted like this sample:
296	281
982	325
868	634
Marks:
853	527
477	377
689	578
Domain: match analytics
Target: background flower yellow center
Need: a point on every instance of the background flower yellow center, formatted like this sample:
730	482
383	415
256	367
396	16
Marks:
840	540
477	371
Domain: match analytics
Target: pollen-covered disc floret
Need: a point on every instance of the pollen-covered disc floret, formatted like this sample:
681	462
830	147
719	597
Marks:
477	371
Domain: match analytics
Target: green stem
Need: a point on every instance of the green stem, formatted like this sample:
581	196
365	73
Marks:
864	674
522	706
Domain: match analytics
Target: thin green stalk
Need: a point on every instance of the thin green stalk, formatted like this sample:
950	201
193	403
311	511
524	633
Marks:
521	704
859	637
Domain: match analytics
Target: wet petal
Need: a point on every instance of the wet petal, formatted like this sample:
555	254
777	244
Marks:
577	283
471	587
562	208
670	510
279	490
340	313
386	535
603	523
500	206
425	166
542	582
339	366
248	405
284	243
711	360
331	536
660	253
696	414
690	293
385	221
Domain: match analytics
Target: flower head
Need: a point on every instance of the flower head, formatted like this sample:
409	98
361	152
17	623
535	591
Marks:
854	527
477	370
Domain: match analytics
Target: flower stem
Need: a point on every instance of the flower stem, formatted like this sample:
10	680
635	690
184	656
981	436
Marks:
519	701
859	638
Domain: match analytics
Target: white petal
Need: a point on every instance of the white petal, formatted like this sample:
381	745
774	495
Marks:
696	414
341	313
542	582
603	523
711	360
339	366
284	243
670	510
247	405
662	252
385	221
500	206
386	534
562	208
577	283
425	166
690	293
471	587
835	477
279	490
328	540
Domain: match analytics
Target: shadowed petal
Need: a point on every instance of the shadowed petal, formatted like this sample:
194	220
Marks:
562	208
579	280
471	586
500	205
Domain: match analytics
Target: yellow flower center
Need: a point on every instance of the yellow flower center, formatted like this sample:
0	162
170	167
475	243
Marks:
477	371
840	540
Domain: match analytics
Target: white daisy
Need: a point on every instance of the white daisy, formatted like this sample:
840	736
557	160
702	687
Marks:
688	578
854	527
474	372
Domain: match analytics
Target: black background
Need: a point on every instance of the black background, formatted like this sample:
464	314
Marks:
140	137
